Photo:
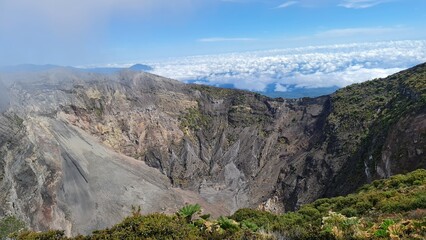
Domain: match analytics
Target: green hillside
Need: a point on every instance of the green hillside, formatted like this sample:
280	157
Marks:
367	115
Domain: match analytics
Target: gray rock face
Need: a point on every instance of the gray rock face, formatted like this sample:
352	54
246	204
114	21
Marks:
4	97
77	150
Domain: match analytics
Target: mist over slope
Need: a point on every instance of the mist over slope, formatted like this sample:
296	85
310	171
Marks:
78	149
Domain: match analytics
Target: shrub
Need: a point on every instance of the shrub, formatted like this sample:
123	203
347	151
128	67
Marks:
310	212
153	226
383	230
340	226
10	224
188	211
262	219
350	212
49	235
362	207
227	224
246	224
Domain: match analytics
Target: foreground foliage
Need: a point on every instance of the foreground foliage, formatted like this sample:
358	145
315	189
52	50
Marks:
393	208
10	225
386	209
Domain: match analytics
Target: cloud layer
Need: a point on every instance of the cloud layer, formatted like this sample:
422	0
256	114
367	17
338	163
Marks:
307	67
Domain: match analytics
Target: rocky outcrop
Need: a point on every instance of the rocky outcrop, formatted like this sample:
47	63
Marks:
78	149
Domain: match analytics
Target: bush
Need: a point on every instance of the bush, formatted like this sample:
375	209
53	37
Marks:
340	226
262	219
246	224
153	226
10	224
49	235
310	212
350	212
362	207
227	224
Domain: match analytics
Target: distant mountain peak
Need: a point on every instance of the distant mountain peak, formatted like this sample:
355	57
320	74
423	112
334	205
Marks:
140	67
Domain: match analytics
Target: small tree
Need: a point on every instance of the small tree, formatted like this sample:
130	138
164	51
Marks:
188	211
136	211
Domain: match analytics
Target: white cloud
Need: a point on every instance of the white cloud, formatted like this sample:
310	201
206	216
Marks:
340	78
280	88
287	4
222	39
308	67
362	3
347	32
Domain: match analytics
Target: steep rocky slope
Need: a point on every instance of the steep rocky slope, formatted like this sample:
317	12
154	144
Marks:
78	149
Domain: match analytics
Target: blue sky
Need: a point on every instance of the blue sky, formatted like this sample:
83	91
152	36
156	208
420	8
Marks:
85	32
229	26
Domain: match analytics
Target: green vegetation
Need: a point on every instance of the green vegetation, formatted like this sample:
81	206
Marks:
10	225
394	208
194	120
153	226
18	123
383	101
364	116
370	108
49	235
188	211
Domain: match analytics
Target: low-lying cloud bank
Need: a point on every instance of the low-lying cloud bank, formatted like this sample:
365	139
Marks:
298	68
